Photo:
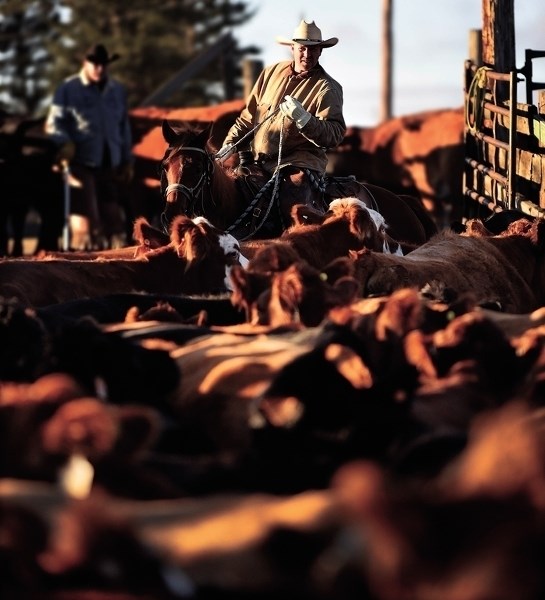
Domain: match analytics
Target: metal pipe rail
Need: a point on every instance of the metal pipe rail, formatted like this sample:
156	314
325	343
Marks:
490	204
487	171
510	147
492	141
496	109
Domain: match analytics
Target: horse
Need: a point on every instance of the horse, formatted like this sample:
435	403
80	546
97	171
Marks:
243	200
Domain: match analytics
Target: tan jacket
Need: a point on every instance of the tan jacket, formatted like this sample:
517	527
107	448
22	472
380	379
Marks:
319	93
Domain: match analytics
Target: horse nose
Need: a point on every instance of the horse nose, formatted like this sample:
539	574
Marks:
170	211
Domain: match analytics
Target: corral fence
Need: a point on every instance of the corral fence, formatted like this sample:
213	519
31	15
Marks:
504	141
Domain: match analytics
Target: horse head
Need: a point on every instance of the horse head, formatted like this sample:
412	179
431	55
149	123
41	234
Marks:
186	169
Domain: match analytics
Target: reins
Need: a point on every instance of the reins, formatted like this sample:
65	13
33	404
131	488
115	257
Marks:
254	128
276	179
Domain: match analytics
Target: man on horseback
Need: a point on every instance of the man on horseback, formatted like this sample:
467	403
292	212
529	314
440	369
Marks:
295	114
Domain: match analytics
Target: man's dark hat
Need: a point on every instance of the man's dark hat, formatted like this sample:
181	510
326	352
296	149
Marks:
98	54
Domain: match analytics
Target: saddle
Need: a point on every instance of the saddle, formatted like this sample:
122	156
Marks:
256	186
340	187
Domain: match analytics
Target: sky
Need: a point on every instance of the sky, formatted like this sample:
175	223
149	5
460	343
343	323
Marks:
430	45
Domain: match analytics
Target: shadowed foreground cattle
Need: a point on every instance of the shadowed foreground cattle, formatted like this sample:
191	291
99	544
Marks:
392	451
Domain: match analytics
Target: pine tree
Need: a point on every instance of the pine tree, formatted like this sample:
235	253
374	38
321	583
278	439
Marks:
27	29
155	39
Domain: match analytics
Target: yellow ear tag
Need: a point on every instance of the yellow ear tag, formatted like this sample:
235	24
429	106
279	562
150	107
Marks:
76	477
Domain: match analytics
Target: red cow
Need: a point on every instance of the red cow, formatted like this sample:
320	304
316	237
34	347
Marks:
420	154
197	261
147	236
504	270
316	240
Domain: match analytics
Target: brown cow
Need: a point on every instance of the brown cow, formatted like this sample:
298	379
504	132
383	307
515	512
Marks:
504	270
296	294
147	236
475	532
190	264
316	240
420	154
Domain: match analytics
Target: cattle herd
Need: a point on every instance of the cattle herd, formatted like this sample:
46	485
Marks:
333	414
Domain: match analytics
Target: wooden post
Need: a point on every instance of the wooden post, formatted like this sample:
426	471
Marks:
386	104
476	47
499	51
541	103
499	35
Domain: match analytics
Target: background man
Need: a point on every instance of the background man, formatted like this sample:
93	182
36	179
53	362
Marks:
89	121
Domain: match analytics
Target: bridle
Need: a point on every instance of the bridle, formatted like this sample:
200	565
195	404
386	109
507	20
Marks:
191	194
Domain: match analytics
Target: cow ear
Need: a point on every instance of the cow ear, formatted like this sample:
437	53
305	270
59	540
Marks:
402	313
340	267
359	220
139	428
240	282
179	227
348	290
538	233
305	215
147	235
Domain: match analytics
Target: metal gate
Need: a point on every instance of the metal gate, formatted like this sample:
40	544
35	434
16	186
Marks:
504	142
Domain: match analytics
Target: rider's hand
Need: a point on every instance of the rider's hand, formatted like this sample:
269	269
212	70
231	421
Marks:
225	152
293	109
65	153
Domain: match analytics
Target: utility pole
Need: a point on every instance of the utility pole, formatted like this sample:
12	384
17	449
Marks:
387	52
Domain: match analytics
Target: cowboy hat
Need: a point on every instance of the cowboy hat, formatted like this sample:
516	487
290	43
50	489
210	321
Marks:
308	34
98	54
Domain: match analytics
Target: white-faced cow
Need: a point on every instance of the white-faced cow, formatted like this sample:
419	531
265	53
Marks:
197	261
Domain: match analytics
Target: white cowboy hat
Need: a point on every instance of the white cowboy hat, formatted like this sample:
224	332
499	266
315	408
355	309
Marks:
308	34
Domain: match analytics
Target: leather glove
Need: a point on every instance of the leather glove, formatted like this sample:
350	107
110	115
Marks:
225	152
65	153
293	109
125	173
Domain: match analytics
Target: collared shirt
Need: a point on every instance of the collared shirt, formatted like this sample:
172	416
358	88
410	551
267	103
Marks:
93	119
319	94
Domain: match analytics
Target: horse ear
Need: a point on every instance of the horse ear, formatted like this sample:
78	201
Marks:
203	136
168	133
